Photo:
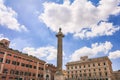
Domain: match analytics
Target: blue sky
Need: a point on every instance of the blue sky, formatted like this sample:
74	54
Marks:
91	28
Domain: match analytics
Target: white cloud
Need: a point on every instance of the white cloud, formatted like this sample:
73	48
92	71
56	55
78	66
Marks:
8	18
3	37
49	52
114	54
92	51
81	17
19	43
97	30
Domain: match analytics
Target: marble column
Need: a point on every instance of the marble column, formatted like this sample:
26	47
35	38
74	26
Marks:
59	74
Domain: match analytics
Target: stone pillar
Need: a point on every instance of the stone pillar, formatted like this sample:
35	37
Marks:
59	74
3	62
37	68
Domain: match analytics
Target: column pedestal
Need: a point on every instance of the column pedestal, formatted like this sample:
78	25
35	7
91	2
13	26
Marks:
59	77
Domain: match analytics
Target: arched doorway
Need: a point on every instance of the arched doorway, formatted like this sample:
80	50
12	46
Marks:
47	77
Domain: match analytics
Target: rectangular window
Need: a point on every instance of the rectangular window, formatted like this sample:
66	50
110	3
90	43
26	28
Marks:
99	69
23	64
85	75
104	63
41	68
68	68
34	67
89	69
2	53
15	56
3	77
95	74
79	66
21	73
98	64
11	78
30	66
106	73
107	78
89	65
89	74
38	75
68	76
33	74
68	72
7	61
11	71
76	71
100	74
1	59
26	74
105	68
80	75
9	54
71	71
18	63
29	74
41	75
76	76
84	70
80	70
5	71
17	73
19	57
72	76
84	66
75	67
14	62
27	65
71	67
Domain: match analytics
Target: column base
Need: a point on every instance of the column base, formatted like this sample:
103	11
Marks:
59	76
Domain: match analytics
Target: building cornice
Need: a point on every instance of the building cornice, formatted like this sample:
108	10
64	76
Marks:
16	52
89	60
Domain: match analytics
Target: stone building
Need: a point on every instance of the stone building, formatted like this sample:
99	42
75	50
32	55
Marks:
65	74
90	69
50	71
15	65
116	75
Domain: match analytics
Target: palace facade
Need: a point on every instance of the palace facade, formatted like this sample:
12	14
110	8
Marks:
90	69
15	65
116	75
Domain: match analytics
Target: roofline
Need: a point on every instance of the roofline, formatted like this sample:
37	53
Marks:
17	52
74	62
